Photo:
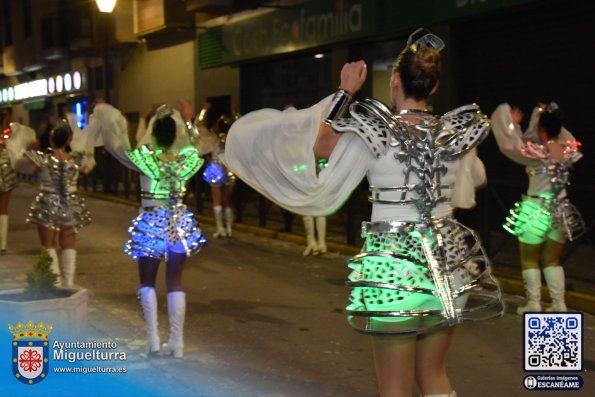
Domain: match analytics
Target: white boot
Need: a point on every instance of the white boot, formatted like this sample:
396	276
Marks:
555	280
228	220
311	247
532	280
451	394
176	306
321	232
68	266
218	212
55	265
3	232
148	304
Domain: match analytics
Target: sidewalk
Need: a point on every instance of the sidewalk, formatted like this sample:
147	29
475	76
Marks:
262	321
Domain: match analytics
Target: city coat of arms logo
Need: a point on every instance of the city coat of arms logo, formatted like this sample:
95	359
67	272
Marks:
30	351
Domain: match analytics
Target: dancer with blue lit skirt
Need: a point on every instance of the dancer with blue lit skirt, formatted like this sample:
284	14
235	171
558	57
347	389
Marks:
164	230
216	174
420	271
544	220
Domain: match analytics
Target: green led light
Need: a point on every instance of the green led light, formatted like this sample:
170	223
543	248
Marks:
146	161
529	217
190	162
299	168
322	164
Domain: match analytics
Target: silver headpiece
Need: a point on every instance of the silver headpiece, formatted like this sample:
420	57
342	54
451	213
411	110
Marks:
62	123
423	38
551	107
164	111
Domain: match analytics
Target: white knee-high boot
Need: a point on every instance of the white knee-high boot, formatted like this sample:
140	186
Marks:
176	306
3	232
68	266
555	280
311	246
532	280
228	220
321	231
55	265
218	212
148	304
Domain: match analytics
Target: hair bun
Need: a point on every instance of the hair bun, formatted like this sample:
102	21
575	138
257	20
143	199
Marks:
427	61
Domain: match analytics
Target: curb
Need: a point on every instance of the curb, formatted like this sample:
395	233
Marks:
514	286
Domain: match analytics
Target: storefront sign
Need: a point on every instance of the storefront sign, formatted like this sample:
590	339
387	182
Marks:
314	24
323	22
61	84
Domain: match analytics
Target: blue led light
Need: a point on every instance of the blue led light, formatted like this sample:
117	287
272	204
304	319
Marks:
213	174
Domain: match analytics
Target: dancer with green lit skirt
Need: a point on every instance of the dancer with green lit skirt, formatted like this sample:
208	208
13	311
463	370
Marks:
544	220
420	271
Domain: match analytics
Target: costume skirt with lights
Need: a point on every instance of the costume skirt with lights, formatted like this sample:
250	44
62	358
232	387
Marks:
413	277
8	178
53	210
217	174
536	218
158	230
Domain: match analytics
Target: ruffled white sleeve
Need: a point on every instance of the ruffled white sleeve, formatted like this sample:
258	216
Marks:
81	144
470	175
108	125
20	139
508	135
272	151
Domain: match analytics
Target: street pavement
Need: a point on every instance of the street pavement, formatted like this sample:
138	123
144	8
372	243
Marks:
262	320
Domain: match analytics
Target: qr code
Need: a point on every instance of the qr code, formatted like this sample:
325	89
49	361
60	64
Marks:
553	341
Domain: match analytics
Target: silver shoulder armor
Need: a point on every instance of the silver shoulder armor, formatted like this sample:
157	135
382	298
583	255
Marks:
369	123
463	129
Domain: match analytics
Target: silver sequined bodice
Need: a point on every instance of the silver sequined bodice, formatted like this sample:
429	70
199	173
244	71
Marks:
56	176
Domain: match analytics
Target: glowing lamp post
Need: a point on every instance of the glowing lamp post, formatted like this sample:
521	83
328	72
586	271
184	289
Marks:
106	5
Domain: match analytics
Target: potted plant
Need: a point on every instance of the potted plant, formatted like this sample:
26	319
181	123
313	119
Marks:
42	301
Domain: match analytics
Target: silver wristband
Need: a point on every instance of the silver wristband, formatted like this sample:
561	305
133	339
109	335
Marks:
192	131
338	106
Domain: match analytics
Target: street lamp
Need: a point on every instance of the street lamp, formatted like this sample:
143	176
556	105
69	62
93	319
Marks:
105	5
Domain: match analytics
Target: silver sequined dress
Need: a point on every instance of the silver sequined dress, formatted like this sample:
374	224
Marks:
8	178
57	203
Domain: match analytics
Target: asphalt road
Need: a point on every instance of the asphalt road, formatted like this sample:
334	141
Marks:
262	320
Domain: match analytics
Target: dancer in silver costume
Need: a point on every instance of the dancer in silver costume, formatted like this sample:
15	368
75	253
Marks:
420	271
165	230
217	175
544	219
58	209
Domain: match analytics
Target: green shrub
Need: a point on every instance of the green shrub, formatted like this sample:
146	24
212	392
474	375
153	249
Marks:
41	282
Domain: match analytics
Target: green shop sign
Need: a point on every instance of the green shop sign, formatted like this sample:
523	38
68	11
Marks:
323	22
309	25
